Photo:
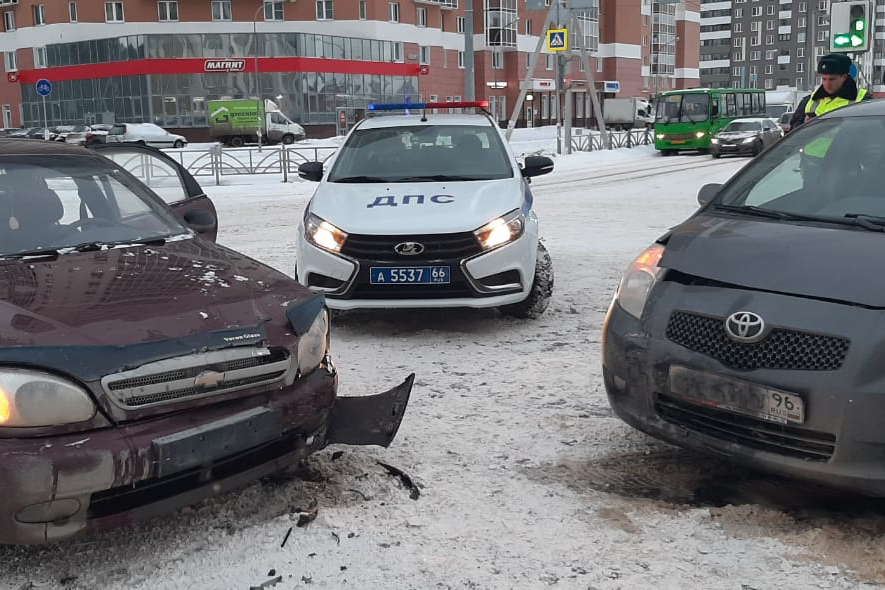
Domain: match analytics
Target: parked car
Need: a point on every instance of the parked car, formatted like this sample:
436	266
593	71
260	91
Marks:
784	122
745	136
20	133
40	133
750	330
142	366
7	132
146	133
88	134
60	132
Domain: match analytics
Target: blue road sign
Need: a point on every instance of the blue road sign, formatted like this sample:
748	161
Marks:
44	87
557	40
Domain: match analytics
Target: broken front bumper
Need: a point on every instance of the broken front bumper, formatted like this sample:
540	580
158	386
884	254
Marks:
59	487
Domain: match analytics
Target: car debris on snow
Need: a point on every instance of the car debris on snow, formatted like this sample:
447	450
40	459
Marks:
414	492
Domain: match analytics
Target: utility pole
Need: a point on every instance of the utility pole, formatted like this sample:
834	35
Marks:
559	75
469	76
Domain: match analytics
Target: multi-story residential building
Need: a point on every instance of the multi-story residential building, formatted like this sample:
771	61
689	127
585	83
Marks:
163	61
775	44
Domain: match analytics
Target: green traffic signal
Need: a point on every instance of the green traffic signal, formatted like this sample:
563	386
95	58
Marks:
841	40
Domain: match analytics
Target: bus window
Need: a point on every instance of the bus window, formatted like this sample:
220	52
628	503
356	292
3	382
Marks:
730	106
695	108
757	104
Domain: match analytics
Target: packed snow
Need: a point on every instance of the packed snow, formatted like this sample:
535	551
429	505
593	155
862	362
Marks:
522	478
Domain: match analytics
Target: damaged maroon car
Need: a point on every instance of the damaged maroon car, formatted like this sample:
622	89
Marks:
142	366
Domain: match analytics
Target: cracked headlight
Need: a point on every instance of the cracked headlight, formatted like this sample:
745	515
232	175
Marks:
33	399
501	230
637	282
314	344
321	233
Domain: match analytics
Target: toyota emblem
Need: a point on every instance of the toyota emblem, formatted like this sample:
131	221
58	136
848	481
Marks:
745	326
408	248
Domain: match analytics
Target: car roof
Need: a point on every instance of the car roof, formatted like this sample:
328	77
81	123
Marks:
867	108
29	147
752	120
397	120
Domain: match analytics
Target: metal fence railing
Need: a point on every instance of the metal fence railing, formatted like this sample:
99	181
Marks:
619	139
218	162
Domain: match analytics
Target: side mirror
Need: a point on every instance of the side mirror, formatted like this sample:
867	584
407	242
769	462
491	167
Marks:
708	192
536	166
312	171
201	221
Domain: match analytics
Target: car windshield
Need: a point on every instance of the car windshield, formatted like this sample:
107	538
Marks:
830	169
742	126
410	153
53	202
683	108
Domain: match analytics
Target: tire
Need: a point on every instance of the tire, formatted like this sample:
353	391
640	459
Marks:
715	154
236	141
703	151
178	144
667	152
757	148
288	139
542	290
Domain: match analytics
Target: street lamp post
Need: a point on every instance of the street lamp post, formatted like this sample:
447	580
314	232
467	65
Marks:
258	100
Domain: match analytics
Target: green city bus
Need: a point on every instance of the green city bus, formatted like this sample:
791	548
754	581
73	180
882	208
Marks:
688	119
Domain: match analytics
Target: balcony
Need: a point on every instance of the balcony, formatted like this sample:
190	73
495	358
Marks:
445	4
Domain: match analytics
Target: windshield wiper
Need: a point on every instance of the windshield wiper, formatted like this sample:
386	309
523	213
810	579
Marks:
436	178
870	222
36	253
97	245
757	211
360	179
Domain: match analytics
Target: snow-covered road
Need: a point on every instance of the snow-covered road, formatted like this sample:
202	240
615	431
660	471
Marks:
526	479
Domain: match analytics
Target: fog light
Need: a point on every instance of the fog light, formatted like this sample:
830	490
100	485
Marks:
51	511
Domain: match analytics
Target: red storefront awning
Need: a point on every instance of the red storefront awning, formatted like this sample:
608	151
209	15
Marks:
141	67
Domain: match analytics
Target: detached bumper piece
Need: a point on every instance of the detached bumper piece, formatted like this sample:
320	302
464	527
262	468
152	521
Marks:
370	419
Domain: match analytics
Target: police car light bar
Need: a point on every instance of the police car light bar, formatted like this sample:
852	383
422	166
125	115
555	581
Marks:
403	106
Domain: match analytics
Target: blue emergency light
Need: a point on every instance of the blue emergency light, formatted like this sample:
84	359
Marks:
404	106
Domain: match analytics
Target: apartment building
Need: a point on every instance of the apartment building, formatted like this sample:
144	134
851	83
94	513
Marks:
163	60
775	44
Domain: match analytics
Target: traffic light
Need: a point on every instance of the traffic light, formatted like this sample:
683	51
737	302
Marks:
849	26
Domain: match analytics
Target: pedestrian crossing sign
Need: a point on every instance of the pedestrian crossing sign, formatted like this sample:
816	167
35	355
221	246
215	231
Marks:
557	40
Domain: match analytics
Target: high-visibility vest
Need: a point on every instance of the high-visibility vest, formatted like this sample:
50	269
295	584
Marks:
824	105
819	147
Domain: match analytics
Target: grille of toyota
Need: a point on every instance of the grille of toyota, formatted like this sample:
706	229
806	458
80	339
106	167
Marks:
748	431
436	247
175	380
780	349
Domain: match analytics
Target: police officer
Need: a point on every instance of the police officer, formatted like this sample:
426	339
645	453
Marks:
837	89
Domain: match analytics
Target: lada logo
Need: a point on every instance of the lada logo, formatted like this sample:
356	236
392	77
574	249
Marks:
408	248
745	326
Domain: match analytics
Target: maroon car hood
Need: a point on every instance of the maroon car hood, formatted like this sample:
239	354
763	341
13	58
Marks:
139	294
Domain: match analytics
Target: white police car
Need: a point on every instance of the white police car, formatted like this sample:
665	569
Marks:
425	211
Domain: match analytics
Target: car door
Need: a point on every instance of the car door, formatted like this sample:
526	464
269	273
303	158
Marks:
169	180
